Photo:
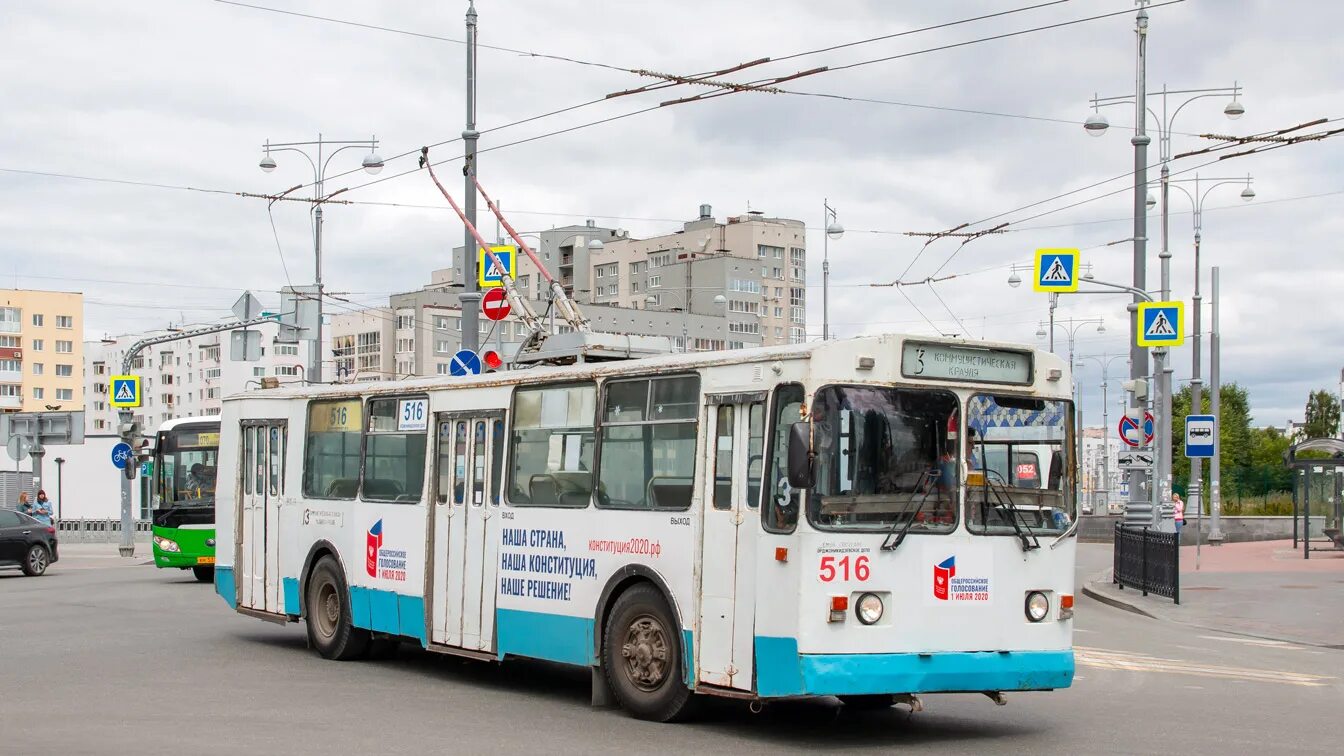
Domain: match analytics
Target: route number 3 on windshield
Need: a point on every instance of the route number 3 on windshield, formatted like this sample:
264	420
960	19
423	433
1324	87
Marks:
843	568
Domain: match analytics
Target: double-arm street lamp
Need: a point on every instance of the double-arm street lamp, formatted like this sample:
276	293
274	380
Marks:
1096	125
371	164
833	230
1071	327
1196	492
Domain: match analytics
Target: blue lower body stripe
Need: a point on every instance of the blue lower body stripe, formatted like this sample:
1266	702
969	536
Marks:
782	671
554	637
291	591
388	612
225	586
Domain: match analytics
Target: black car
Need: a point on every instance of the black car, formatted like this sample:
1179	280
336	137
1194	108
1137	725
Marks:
26	543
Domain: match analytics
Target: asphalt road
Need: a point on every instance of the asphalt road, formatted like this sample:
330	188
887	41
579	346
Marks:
101	656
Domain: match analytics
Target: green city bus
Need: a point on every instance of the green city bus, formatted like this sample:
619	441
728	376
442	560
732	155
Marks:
186	460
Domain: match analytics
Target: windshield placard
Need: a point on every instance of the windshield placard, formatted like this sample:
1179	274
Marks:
952	362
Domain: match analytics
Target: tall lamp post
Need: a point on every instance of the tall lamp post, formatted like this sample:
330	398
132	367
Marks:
371	164
1197	198
1105	362
833	231
1096	125
60	462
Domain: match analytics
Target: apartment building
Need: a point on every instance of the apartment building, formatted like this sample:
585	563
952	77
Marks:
186	378
41	350
756	263
363	344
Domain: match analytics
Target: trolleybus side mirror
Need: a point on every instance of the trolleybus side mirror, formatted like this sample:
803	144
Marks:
800	455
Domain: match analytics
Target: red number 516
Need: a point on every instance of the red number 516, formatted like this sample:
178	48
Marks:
844	569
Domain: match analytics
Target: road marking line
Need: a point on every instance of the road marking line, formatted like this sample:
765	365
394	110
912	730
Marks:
1255	642
1130	662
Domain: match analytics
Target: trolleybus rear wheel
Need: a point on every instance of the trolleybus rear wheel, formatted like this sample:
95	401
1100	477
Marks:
328	614
642	659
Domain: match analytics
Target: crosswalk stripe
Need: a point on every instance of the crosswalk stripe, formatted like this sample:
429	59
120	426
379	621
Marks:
1131	662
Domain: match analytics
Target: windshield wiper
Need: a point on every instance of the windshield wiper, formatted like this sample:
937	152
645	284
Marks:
1005	503
924	481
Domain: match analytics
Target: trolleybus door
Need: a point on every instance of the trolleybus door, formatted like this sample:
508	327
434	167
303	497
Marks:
259	530
736	434
468	468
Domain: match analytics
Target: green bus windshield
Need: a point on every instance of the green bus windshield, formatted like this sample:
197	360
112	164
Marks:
185	467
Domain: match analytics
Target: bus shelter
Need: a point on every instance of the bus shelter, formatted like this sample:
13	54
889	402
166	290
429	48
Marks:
1318	491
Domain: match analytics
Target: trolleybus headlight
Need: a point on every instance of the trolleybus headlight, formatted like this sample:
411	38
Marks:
1038	606
869	608
165	544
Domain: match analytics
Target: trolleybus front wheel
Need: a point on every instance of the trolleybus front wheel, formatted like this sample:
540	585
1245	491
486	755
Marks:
204	573
642	659
328	614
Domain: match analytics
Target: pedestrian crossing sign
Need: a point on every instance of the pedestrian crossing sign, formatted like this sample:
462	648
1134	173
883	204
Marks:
125	391
1161	324
1056	270
488	274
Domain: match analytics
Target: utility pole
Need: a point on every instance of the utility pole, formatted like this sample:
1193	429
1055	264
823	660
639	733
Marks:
831	229
471	294
1138	504
1215	402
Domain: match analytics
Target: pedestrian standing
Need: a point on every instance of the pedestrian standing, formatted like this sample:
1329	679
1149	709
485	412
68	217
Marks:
42	509
1180	511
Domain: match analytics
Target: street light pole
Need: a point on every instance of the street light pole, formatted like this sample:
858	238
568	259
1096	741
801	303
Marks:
1104	361
1196	490
60	462
371	164
831	229
471	294
1215	402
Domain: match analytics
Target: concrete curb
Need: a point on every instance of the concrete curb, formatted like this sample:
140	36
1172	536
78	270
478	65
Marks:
1097	595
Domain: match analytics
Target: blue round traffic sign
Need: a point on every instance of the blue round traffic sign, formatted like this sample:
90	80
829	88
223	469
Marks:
1129	427
121	455
465	362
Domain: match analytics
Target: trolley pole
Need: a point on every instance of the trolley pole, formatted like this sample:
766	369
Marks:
471	294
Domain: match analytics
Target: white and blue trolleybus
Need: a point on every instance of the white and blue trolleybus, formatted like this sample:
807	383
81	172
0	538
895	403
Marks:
873	518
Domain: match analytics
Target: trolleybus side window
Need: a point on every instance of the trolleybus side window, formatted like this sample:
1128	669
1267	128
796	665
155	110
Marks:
884	457
723	458
781	509
551	451
331	454
394	450
277	463
646	457
497	461
249	456
755	451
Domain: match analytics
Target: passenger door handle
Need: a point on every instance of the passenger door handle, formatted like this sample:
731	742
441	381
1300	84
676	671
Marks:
26	532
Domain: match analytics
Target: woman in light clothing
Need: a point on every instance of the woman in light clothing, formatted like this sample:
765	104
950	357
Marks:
1180	511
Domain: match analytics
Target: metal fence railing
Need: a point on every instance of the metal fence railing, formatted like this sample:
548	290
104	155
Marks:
1149	560
95	530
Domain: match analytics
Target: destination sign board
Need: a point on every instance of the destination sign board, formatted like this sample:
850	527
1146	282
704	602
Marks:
955	362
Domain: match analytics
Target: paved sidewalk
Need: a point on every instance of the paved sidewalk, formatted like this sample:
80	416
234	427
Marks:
1262	589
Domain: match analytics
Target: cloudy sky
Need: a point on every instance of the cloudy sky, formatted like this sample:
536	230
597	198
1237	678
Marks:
183	93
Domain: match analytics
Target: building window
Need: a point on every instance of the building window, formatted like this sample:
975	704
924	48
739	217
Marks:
10	317
638	267
405	345
9	389
65	395
64	347
708	345
394	460
65	321
737	344
796	296
289	371
37	345
779	311
765	251
655	282
212	373
604	271
331	457
37	320
610	290
795	314
797	335
287	350
14	366
734	327
552	446
65	371
522	282
797	255
796	273
442	368
647	443
38	392
9	341
751	287
659	259
443	346
405	322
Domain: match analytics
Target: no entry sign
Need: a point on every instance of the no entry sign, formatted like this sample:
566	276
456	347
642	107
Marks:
495	305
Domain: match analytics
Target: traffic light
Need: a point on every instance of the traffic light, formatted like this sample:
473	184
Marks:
1139	386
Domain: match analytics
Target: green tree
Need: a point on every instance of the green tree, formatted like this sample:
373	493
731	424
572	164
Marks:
1322	415
1234	431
